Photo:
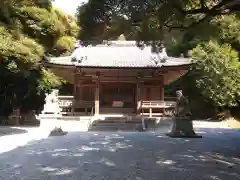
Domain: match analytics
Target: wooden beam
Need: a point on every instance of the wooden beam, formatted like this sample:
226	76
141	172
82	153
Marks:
150	112
97	97
127	79
162	88
138	98
162	93
151	86
119	79
79	72
159	73
74	90
86	85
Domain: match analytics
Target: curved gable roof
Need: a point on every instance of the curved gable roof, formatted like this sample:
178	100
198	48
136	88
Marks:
119	54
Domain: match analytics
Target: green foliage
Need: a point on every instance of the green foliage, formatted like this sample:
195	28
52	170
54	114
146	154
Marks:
146	20
43	19
41	24
32	18
48	80
64	45
218	71
68	22
222	30
28	30
22	74
24	52
229	28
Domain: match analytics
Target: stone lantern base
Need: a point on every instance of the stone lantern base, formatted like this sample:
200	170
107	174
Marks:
57	131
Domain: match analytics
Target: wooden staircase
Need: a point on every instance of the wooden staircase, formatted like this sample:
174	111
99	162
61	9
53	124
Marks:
123	123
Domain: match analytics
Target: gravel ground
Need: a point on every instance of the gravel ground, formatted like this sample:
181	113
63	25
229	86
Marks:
12	141
6	130
126	155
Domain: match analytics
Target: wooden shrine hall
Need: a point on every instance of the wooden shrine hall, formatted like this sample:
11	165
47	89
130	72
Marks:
117	77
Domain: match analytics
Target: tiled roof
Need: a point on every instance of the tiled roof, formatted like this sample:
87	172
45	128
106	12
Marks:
118	54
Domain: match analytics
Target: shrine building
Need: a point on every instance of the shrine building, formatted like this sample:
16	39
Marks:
117	77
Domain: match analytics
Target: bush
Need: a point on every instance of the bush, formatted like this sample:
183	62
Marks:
217	71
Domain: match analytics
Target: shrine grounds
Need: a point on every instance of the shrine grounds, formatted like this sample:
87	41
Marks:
121	155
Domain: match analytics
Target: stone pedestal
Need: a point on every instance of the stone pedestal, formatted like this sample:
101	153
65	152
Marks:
182	127
49	121
14	118
30	119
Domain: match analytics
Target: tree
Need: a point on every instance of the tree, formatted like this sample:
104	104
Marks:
220	30
30	29
147	20
217	69
22	75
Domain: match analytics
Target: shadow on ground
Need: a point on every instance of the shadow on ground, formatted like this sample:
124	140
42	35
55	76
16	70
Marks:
126	155
6	130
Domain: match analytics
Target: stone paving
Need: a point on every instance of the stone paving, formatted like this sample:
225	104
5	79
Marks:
126	155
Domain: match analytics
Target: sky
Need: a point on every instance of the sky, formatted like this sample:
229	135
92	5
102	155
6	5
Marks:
69	6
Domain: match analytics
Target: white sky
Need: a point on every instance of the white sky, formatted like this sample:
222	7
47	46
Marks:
69	6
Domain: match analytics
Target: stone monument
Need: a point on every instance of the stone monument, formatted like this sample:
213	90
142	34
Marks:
51	112
182	122
51	103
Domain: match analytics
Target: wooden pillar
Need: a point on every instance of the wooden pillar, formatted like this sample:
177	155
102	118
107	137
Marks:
162	93
138	97
97	96
162	88
150	112
74	89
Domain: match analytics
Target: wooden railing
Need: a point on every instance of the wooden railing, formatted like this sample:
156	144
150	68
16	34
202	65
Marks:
69	106
83	104
158	104
68	101
65	101
162	107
